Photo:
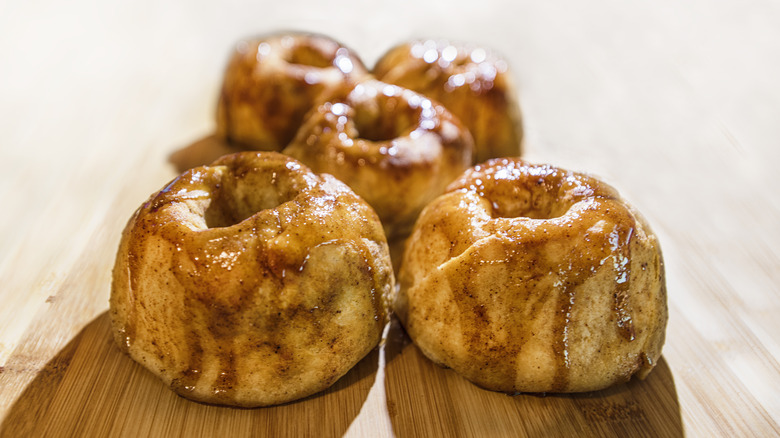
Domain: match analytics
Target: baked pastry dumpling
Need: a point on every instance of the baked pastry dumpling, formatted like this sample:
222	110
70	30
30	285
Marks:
251	282
472	82
395	148
271	82
531	278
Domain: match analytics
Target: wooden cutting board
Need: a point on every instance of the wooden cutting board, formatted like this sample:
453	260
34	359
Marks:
91	389
673	103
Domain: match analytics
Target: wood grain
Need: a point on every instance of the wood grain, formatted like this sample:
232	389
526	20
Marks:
73	396
426	400
675	104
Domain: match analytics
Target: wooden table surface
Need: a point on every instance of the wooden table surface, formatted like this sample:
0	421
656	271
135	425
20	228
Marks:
674	103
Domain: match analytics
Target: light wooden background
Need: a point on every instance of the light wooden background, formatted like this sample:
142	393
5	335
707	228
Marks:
677	104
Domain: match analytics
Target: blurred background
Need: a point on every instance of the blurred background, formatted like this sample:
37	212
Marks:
675	104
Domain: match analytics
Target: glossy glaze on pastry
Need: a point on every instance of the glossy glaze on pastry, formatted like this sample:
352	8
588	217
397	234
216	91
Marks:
531	278
395	148
251	282
270	83
472	82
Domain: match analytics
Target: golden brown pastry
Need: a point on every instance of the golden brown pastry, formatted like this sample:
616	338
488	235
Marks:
472	82
531	278
251	282
395	148
270	83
